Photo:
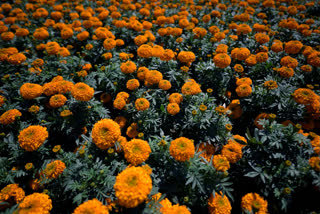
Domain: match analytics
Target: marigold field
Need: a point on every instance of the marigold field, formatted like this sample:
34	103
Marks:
160	106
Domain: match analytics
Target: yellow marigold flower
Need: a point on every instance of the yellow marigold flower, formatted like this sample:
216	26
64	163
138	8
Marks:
182	149
219	204
136	151
56	148
54	169
105	133
66	113
91	206
232	151
82	92
35	203
243	90
315	163
175	98
34	109
173	108
191	88
30	91
133	84
222	60
128	67
152	77
164	85
10	116
203	107
33	137
12	191
253	202
270	84
28	166
221	163
228	127
132	186
142	104
57	101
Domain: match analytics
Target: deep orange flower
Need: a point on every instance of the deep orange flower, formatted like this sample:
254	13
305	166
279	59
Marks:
32	137
173	108
232	151
219	204
253	201
30	91
82	92
105	133
57	101
142	104
54	169
222	60
136	151
182	149
10	116
243	90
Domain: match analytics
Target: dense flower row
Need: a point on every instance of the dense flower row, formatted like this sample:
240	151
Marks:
159	106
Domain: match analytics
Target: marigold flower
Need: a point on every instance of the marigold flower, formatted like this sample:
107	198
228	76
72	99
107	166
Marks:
167	55
304	95
132	186
232	151
152	77
136	151
82	92
270	84
254	202
132	130
109	43
222	60
133	84
145	51
10	116
293	47
238	68
314	163
92	206
142	104
245	80
164	85
157	51
83	35
243	90
52	48
30	91
54	169
57	101
16	59
121	121
12	191
240	53
186	57
221	163
65	113
35	203
219	204
182	149
261	38
173	108
285	71
32	137
128	67
119	103
289	62
105	133
191	88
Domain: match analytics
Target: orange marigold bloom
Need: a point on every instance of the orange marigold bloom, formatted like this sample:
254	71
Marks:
167	55
16	59
54	169
152	77
251	60
164	85
243	29
191	88
10	116
293	47
239	139
7	36
286	72
109	43
119	103
32	137
277	46
132	186
221	163
262	57
57	101
2	100
314	163
83	35
261	38
238	68
173	108
289	62
145	51
222	60
41	34
219	204
253	201
186	57
66	33
182	149
222	48
136	151
30	91
240	53
243	90
128	67
142	104
245	80
121	121
133	84
35	203
66	113
12	191
175	98
91	206
82	92
306	68
232	151
270	84
304	95
105	133
132	130
157	51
